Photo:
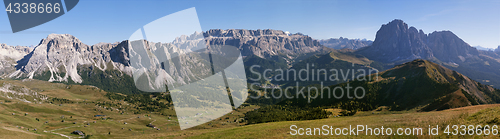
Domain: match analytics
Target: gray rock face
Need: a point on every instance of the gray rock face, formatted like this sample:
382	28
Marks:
158	64
345	43
119	53
396	42
61	54
265	43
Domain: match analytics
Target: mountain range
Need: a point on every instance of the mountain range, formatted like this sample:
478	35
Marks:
9	55
269	44
59	55
483	48
345	43
64	58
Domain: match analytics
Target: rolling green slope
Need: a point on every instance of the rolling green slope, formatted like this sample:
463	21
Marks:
418	84
320	68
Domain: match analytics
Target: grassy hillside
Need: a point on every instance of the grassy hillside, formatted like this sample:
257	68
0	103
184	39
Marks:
64	108
77	105
57	109
340	60
481	114
419	84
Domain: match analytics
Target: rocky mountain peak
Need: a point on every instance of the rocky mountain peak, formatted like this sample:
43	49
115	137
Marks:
61	37
395	41
395	25
62	41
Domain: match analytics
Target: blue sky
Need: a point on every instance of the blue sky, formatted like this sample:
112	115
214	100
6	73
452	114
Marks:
94	21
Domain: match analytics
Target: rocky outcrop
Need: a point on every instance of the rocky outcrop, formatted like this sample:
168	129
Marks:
265	43
396	41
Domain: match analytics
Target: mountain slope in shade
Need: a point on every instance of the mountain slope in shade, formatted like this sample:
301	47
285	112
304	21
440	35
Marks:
418	84
345	43
395	41
448	47
422	80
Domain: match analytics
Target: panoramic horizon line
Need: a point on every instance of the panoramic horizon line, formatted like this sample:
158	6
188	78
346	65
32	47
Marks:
399	20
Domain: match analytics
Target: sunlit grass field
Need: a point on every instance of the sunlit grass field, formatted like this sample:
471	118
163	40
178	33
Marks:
18	119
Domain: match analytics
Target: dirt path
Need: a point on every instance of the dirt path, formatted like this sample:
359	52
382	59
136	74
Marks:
19	130
66	136
58	134
65	128
127	119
